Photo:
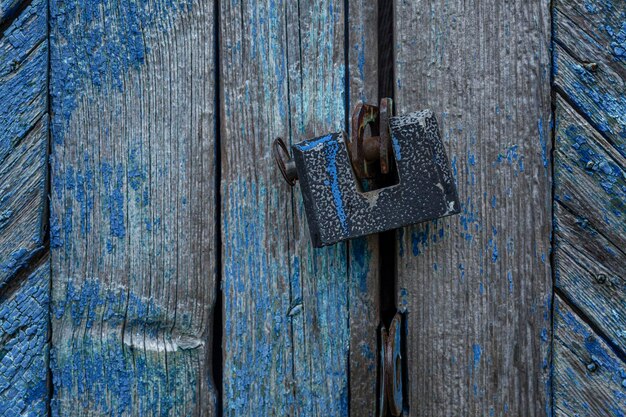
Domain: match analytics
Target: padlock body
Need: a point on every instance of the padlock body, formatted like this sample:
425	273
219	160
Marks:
338	209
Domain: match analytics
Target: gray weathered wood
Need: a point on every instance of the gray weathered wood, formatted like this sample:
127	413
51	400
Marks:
477	286
589	379
364	296
285	304
133	208
24	267
589	64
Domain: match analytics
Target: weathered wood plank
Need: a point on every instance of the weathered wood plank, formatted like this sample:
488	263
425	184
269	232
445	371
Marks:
23	137
589	379
363	254
589	67
24	266
589	175
285	303
133	208
477	287
10	9
590	270
590	205
316	90
24	343
590	184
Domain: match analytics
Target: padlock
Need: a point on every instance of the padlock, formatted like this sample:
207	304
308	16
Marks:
334	172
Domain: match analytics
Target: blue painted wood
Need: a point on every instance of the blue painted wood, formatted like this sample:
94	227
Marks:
363	254
24	269
23	138
132	213
10	9
590	175
24	344
589	378
590	207
590	62
590	188
286	333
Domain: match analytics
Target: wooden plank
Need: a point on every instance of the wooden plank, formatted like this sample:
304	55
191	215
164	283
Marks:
23	138
24	266
590	57
363	254
133	208
589	379
590	184
590	270
10	9
285	304
24	343
590	195
589	175
477	287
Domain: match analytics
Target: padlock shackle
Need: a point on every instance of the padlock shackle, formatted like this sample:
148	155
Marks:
365	151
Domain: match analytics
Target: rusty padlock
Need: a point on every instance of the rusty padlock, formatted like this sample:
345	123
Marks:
333	171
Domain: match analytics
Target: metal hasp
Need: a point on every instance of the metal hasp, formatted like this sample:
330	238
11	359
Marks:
337	206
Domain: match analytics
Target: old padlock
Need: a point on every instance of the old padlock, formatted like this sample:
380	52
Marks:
333	172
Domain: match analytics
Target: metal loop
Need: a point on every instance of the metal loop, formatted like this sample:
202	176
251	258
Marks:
280	152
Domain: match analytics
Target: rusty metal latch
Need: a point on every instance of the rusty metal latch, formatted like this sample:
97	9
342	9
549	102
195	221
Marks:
332	169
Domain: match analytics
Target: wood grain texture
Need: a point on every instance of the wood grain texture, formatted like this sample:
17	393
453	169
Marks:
24	343
589	379
589	62
363	253
133	208
23	138
10	9
285	304
590	205
589	175
590	270
24	267
590	188
477	287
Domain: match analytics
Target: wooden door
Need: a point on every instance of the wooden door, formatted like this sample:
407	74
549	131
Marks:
154	263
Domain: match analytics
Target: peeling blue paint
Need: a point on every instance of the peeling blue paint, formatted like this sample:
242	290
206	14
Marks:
115	198
114	380
477	354
24	347
82	28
